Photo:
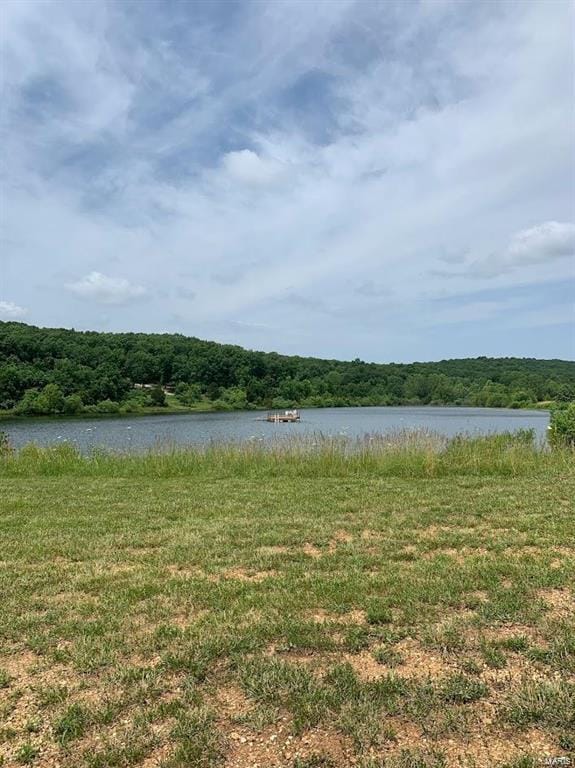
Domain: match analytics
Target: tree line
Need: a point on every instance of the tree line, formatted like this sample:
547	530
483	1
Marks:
49	371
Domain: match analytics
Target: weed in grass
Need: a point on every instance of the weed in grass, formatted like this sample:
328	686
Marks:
4	679
460	689
378	613
514	604
72	724
356	638
438	707
258	717
515	643
279	683
470	667
525	761
493	656
197	741
27	754
447	638
550	703
560	653
49	695
362	722
132	748
7	734
567	741
33	726
388	656
387	691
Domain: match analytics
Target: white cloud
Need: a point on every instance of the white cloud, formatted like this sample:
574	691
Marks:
107	290
447	128
550	240
248	167
11	311
536	245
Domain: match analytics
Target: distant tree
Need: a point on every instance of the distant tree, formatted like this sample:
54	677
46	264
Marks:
158	397
28	405
100	367
188	394
73	404
562	426
51	399
108	406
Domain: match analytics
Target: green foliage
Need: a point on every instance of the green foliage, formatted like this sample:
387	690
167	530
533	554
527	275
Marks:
196	739
322	457
188	394
52	371
5	446
72	724
460	689
378	613
551	703
562	426
26	754
158	397
73	405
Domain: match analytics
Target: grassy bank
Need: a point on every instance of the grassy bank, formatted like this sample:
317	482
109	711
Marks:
391	603
173	406
400	454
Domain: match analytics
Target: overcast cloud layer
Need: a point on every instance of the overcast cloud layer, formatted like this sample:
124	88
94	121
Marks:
338	178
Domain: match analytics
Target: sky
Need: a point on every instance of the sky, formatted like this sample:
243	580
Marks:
393	181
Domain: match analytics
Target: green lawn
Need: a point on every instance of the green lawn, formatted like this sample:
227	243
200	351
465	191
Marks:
222	618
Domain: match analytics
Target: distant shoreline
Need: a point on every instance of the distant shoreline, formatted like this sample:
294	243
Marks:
183	411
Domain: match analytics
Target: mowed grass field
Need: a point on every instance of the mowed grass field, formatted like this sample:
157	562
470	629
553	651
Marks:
247	612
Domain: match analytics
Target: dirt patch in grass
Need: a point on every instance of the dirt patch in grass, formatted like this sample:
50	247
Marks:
273	550
460	555
186	619
20	665
311	551
231	702
486	747
278	747
157	757
419	661
183	572
508	631
560	602
241	574
349	618
368	535
339	537
365	666
477	595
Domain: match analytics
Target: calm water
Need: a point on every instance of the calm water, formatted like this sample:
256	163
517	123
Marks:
146	431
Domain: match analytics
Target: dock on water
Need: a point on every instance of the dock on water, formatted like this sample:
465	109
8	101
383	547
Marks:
279	417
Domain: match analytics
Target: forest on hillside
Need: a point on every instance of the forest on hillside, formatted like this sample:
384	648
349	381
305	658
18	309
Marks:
50	371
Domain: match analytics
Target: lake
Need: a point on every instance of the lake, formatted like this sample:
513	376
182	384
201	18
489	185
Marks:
140	432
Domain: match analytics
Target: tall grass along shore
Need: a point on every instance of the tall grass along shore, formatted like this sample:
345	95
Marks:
397	602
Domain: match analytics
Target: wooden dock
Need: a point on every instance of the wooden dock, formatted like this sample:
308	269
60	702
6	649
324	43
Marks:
281	417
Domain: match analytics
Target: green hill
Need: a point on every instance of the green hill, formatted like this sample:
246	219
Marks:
48	370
